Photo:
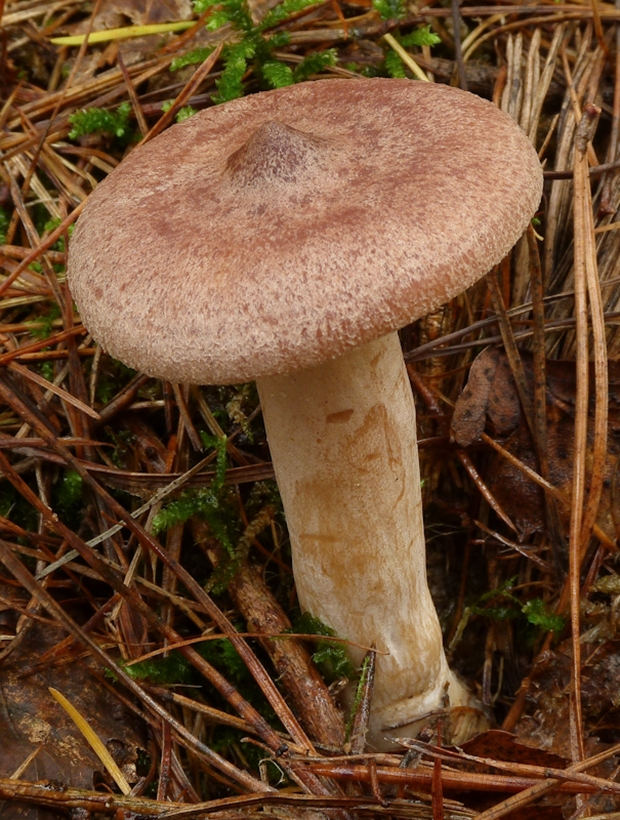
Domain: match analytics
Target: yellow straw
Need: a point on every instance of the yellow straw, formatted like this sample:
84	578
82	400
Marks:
122	33
97	745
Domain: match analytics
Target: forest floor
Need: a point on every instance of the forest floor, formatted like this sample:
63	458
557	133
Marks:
117	490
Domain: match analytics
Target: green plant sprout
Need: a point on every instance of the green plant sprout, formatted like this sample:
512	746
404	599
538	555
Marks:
70	491
277	74
538	614
215	505
46	369
394	65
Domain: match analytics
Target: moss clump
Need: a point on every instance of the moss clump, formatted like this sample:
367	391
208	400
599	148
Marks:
101	121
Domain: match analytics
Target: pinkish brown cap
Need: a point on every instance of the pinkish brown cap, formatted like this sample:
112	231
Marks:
287	227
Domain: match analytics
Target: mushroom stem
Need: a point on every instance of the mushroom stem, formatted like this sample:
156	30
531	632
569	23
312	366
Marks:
343	442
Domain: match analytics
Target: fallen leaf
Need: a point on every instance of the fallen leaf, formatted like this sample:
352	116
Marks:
117	13
501	745
491	395
31	720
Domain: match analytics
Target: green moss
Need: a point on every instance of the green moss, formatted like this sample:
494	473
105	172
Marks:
390	9
329	656
182	114
165	670
254	50
284	10
315	63
501	604
394	65
14	507
101	121
46	369
43	325
51	225
235	12
194	57
215	504
538	614
359	693
277	74
112	376
70	492
422	36
236	58
5	221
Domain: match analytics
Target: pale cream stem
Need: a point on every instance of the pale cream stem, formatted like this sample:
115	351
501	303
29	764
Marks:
343	441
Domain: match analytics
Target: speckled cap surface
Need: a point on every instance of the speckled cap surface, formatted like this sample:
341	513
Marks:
287	227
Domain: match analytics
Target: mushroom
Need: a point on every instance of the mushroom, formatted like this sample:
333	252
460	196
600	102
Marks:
286	237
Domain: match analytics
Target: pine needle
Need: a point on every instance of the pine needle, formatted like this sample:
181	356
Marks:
124	33
96	744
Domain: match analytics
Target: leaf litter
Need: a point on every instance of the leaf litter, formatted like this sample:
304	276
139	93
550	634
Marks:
221	729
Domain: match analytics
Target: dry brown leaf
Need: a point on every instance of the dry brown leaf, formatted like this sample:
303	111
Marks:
491	394
29	718
116	13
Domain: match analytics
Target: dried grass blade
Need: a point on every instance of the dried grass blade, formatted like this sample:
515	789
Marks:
601	406
582	207
545	81
559	204
135	102
532	80
513	90
470	43
540	390
512	351
606	205
598	26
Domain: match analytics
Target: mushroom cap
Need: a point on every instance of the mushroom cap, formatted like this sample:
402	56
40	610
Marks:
287	227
